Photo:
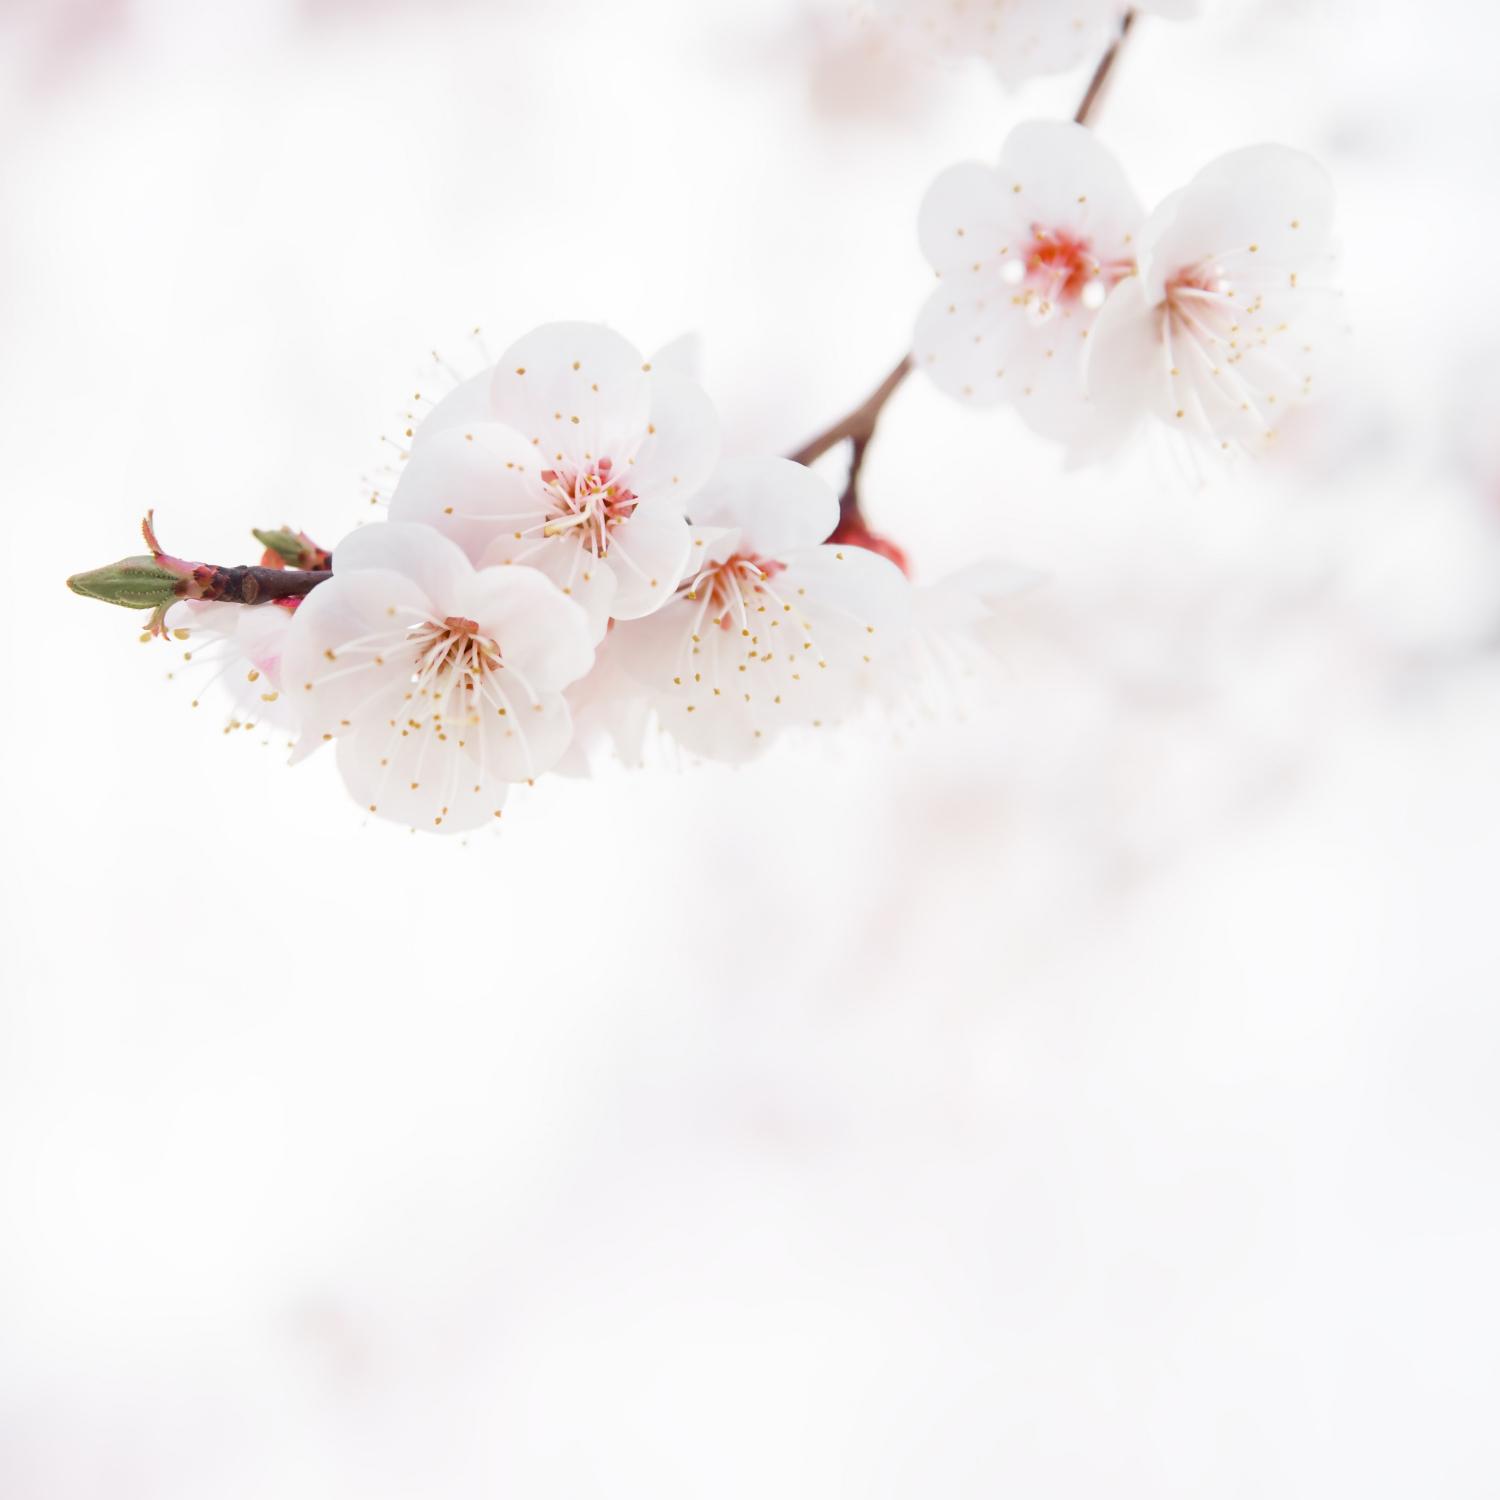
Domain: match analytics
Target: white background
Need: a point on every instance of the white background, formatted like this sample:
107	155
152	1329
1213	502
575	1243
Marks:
1093	1098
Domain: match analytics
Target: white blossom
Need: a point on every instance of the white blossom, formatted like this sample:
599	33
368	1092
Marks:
770	629
441	683
1233	315
1027	252
574	455
1020	39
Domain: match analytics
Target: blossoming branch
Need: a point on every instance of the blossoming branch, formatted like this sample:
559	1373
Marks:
572	570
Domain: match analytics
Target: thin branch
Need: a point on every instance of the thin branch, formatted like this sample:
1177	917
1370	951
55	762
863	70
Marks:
257	585
1084	114
849	500
159	580
860	423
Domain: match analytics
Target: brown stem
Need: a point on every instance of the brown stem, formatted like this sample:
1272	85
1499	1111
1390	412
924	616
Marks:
254	585
1084	114
860	423
849	500
244	584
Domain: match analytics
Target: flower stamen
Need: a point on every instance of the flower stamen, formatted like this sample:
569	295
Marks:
1060	270
589	502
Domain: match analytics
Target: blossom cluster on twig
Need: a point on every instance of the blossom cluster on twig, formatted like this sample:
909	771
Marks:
571	568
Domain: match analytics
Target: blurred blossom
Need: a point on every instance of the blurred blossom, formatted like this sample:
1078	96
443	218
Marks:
858	74
1020	39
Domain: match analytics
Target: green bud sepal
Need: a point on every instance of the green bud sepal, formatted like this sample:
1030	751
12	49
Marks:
132	583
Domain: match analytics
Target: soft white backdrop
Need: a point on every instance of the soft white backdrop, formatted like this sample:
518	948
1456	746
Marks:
1093	1098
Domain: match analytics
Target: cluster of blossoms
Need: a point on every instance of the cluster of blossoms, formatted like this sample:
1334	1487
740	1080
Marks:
569	565
572	570
1062	297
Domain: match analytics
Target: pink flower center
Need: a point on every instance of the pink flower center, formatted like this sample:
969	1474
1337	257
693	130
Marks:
1198	278
1198	302
588	502
728	589
452	655
1060	269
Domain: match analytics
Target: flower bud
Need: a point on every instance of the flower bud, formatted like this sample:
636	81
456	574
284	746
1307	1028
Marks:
286	548
133	583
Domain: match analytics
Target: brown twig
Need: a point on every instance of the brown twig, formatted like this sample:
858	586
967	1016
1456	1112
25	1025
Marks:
1084	114
860	423
243	584
254	585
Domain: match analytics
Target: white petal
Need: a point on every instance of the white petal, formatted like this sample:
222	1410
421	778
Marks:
647	555
577	392
729	704
518	737
966	215
1020	38
657	651
412	777
1029	38
710	544
613	714
993	352
1251	213
1125	371
261	633
472	484
681	444
858	603
1060	175
777	505
682	356
237	648
738	687
347	662
205	617
543	636
728	731
466	405
576	572
430	560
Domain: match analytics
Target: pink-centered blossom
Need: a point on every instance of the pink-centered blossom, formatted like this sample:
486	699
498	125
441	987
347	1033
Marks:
573	455
441	683
1026	253
1233	318
771	628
